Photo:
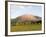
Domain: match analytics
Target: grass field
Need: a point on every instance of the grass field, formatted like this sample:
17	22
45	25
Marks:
26	27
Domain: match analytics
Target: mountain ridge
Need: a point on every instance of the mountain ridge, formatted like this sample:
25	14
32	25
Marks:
27	18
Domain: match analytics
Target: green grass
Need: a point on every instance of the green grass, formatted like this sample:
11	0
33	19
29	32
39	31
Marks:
26	27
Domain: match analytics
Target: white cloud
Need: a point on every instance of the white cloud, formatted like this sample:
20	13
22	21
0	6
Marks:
20	6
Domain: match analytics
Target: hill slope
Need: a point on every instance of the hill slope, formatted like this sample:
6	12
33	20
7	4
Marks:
26	18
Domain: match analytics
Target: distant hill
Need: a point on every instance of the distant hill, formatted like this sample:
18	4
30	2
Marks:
24	18
28	18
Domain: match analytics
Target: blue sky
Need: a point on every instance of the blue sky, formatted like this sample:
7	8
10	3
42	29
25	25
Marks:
22	10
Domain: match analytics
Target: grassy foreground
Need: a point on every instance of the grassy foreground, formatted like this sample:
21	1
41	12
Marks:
27	27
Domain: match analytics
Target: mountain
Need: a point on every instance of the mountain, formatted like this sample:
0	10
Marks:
28	18
24	18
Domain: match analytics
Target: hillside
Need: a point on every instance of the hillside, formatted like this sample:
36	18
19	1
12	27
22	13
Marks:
26	18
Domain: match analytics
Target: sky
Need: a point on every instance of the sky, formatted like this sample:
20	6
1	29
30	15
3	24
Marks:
20	10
